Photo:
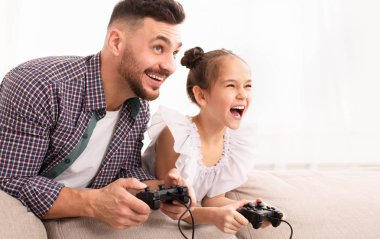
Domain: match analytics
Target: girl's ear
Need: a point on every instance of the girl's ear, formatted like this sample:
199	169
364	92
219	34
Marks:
115	42
199	96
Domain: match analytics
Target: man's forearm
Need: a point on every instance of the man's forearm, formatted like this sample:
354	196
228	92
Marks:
72	203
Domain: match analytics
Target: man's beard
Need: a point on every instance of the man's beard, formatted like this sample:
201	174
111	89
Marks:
130	72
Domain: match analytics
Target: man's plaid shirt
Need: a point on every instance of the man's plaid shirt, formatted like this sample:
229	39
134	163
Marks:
45	107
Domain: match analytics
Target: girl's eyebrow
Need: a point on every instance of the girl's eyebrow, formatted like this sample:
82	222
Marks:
229	80
232	80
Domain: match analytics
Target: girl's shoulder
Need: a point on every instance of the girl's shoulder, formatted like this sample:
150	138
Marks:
243	136
236	163
240	147
180	126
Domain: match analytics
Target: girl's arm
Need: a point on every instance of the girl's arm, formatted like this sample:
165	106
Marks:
218	201
165	154
225	218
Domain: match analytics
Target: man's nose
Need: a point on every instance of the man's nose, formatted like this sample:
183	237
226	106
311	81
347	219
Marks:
169	63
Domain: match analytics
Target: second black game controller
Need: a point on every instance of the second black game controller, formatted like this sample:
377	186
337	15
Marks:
257	213
167	195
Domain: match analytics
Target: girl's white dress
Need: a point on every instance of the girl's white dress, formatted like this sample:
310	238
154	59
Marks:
229	173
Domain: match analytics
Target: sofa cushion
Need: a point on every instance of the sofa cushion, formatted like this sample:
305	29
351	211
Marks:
323	204
16	222
158	226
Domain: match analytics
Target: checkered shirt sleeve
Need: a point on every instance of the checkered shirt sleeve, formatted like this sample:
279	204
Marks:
45	107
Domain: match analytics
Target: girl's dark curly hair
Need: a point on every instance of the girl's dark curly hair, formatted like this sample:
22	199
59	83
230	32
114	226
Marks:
204	68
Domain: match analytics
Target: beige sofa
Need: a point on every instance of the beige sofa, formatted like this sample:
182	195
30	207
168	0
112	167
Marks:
324	204
319	204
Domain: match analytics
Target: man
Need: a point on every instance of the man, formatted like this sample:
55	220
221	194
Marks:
71	127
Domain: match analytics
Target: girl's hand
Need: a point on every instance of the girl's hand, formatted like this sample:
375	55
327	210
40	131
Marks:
228	220
266	223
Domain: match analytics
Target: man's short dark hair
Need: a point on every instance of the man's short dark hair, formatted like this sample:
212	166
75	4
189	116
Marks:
168	11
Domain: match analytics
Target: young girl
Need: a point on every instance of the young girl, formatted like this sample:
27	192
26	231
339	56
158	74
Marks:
211	152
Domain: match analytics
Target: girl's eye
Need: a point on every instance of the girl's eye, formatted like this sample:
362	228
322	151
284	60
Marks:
248	86
158	49
230	85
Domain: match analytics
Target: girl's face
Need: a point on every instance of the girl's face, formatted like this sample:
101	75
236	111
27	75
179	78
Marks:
230	95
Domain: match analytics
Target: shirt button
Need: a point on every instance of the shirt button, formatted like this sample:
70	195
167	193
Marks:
67	160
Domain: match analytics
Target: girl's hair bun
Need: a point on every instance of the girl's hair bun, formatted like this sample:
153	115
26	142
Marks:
192	57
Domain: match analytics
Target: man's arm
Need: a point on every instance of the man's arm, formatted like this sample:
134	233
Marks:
25	122
113	204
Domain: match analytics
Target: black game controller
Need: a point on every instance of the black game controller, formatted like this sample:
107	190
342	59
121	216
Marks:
153	198
257	213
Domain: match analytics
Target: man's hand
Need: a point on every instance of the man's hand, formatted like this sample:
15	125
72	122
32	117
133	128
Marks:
117	207
113	204
176	209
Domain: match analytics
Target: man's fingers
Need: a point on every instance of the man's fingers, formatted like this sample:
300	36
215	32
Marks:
131	183
131	221
136	220
134	204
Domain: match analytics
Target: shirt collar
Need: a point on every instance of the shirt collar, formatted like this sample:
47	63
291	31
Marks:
95	100
134	106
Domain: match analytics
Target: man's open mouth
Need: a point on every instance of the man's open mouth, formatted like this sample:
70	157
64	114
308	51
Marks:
155	77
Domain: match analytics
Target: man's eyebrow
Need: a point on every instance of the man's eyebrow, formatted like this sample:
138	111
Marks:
167	40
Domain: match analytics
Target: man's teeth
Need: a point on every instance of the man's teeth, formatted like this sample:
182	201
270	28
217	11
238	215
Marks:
156	77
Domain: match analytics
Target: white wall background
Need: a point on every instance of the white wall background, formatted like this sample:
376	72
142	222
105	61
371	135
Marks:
315	64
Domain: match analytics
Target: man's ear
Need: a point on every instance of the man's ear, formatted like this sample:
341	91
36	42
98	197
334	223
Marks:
114	41
199	96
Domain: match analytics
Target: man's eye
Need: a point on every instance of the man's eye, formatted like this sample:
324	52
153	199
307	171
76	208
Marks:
175	53
248	86
230	85
158	49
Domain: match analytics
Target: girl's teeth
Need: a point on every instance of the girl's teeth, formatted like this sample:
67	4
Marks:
239	107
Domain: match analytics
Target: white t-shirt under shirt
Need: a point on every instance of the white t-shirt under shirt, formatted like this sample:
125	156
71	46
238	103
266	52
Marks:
229	173
85	167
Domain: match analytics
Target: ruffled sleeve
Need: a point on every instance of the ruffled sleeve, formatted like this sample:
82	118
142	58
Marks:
238	160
